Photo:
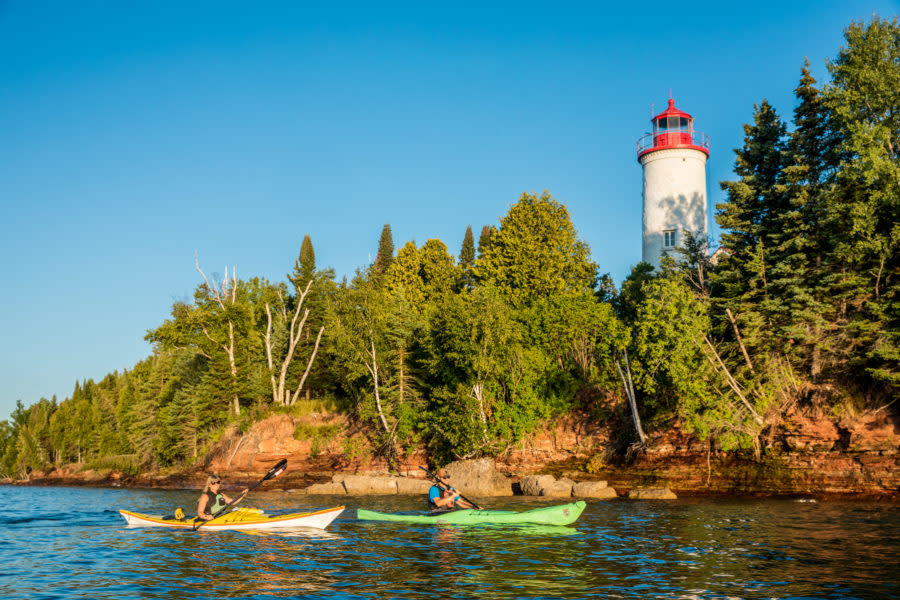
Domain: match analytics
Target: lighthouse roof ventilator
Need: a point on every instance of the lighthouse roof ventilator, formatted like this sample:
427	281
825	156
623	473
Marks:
673	158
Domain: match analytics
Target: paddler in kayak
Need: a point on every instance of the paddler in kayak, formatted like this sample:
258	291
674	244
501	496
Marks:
212	500
442	496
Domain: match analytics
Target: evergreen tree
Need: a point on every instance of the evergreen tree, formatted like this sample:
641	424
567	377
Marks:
750	221
803	243
754	203
467	252
467	259
484	239
385	255
864	209
305	266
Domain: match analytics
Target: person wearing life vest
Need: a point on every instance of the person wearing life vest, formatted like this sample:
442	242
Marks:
212	500
442	496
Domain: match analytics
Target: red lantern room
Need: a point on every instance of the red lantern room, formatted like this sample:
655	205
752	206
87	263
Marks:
673	128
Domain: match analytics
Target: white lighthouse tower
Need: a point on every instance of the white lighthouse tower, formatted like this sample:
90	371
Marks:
673	158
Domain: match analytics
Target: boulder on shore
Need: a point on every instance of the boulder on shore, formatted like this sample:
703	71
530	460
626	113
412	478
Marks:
559	489
593	489
478	477
366	485
533	484
407	486
652	494
329	487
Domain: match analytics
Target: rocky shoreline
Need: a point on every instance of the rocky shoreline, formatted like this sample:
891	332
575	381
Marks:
816	459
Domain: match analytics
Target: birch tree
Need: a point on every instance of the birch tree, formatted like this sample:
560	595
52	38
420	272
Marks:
281	395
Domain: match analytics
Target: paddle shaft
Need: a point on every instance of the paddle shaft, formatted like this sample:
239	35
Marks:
273	472
446	486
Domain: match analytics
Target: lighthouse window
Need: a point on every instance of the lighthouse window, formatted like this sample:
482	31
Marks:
669	238
661	124
684	123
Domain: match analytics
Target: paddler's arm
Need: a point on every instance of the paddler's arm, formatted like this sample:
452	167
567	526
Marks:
201	508
243	494
464	504
447	498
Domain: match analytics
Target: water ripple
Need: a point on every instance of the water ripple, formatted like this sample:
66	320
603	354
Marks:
618	549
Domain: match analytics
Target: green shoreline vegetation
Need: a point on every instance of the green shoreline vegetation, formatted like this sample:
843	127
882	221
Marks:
463	356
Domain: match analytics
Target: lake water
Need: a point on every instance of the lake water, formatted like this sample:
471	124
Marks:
72	543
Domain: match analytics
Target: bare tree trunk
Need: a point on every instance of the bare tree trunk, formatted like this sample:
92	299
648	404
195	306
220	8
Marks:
309	364
878	276
373	369
228	293
629	393
280	394
737	334
478	394
230	351
268	340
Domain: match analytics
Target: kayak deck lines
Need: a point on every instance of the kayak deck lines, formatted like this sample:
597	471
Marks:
240	519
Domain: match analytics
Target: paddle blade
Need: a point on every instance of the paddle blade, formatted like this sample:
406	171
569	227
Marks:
277	470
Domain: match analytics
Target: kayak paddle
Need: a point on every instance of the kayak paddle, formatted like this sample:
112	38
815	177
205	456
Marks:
274	472
446	486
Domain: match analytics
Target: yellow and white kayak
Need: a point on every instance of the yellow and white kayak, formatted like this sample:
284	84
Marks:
241	518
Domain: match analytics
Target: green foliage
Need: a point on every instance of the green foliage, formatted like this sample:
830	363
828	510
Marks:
577	332
129	464
631	296
536	253
864	208
667	360
318	435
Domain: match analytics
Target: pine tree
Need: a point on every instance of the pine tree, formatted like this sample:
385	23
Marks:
385	255
467	252
467	259
484	240
750	220
803	244
754	203
305	266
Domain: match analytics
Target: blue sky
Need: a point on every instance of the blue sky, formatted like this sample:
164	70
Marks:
133	135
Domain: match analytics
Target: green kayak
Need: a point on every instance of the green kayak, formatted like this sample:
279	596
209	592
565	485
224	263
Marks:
562	514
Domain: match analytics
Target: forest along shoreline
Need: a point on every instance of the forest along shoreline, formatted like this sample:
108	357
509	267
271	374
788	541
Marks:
327	454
